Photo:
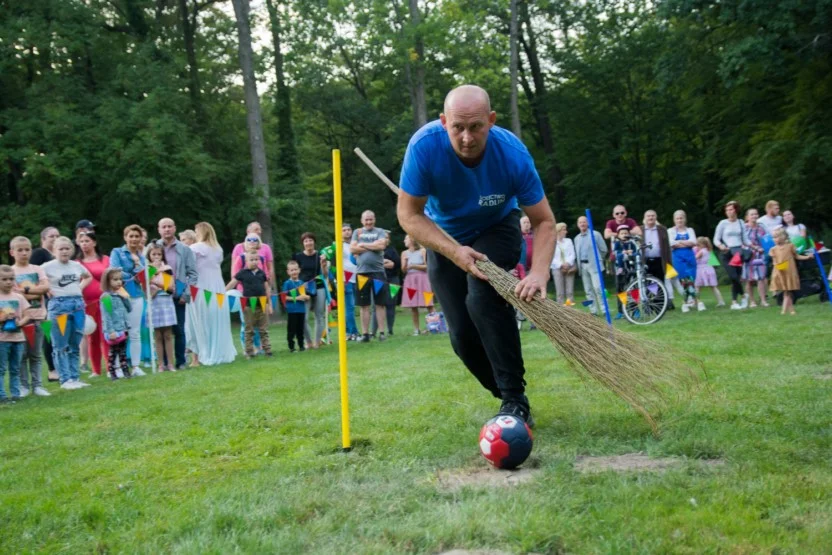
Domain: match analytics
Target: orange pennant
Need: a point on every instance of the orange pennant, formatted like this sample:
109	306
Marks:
62	323
263	301
428	297
167	280
362	281
302	290
220	299
622	297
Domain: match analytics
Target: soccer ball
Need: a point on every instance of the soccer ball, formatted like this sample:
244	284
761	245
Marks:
506	441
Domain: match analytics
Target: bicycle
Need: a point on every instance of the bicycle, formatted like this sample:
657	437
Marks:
647	298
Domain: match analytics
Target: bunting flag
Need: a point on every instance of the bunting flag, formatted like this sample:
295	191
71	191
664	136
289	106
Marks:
783	266
635	294
736	261
394	289
428	297
29	332
274	302
252	303
410	293
107	303
713	260
377	285
46	326
140	279
587	302
302	290
123	292
653	288
348	275
263	300
670	272
362	281
180	287
207	296
152	271
622	297
294	294
220	299
194	291
62	322
232	302
167	279
333	321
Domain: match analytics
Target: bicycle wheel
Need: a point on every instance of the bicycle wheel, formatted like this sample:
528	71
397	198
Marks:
647	304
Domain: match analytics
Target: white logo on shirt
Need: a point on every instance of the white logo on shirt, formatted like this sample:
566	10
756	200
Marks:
492	200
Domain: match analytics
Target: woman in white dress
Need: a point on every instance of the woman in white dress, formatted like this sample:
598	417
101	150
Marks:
207	325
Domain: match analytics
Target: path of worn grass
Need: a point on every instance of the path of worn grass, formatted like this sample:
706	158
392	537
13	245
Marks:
246	457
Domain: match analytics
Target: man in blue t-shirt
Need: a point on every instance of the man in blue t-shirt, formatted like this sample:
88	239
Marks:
465	176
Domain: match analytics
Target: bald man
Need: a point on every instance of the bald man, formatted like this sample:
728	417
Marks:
464	175
182	260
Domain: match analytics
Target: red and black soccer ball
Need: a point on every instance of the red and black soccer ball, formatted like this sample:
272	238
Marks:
506	441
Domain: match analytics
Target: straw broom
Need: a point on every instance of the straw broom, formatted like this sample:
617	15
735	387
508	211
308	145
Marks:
645	374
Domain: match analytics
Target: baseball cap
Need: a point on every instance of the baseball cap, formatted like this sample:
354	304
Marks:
85	224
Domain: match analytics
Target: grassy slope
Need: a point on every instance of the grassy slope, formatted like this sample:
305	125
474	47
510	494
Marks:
246	457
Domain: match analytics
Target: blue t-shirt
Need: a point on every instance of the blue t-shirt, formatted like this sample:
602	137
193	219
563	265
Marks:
466	201
297	307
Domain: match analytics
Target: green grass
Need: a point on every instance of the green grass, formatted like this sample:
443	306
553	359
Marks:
246	457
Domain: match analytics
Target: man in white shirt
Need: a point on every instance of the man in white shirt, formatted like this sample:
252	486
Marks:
772	220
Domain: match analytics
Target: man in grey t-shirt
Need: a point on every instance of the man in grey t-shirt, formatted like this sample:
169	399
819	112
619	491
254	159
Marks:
367	246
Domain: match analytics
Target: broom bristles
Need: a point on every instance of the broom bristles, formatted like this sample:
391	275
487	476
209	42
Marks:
645	374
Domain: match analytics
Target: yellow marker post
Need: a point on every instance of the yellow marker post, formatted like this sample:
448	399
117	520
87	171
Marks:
342	322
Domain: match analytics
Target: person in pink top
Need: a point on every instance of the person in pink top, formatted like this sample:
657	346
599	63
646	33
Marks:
265	252
252	244
95	263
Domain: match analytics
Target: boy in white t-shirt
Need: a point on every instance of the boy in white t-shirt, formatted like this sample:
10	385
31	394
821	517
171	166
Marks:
12	341
31	282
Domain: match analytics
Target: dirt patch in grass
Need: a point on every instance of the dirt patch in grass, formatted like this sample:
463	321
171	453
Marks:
633	462
486	477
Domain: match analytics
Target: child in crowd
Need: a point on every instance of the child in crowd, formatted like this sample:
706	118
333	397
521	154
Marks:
705	273
67	280
784	277
162	310
188	237
415	267
623	248
31	282
252	244
255	285
12	341
115	305
296	306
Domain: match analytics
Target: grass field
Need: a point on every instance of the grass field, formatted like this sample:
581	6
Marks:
246	457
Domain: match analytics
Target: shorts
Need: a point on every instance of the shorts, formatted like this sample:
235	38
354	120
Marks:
365	295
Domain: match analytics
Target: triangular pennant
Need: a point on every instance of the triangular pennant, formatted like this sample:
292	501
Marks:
207	296
252	303
302	290
394	289
220	299
46	326
635	294
653	288
232	302
274	302
283	298
107	303
263	300
736	261
428	297
410	293
166	281
194	291
713	260
622	297
140	278
180	287
362	281
62	322
29	332
587	302
783	266
377	285
348	275
670	272
293	293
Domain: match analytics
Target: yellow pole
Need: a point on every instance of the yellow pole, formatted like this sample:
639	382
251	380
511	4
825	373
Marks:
342	322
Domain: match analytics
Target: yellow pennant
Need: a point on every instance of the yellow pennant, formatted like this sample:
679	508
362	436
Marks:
622	297
263	301
220	299
783	266
428	297
362	281
670	272
302	290
62	323
166	281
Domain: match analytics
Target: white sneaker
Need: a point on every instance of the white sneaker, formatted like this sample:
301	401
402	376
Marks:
744	301
24	392
735	306
70	385
701	306
93	375
40	392
119	372
685	308
136	371
81	384
720	303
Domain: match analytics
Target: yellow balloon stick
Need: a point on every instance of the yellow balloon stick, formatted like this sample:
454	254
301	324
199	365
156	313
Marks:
342	322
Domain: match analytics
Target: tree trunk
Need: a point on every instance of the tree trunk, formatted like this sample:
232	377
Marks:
287	157
260	173
417	74
189	37
515	110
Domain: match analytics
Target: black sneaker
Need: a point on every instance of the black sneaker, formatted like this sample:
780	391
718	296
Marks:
365	338
518	407
382	337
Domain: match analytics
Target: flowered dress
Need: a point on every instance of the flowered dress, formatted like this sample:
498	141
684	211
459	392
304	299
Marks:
755	269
